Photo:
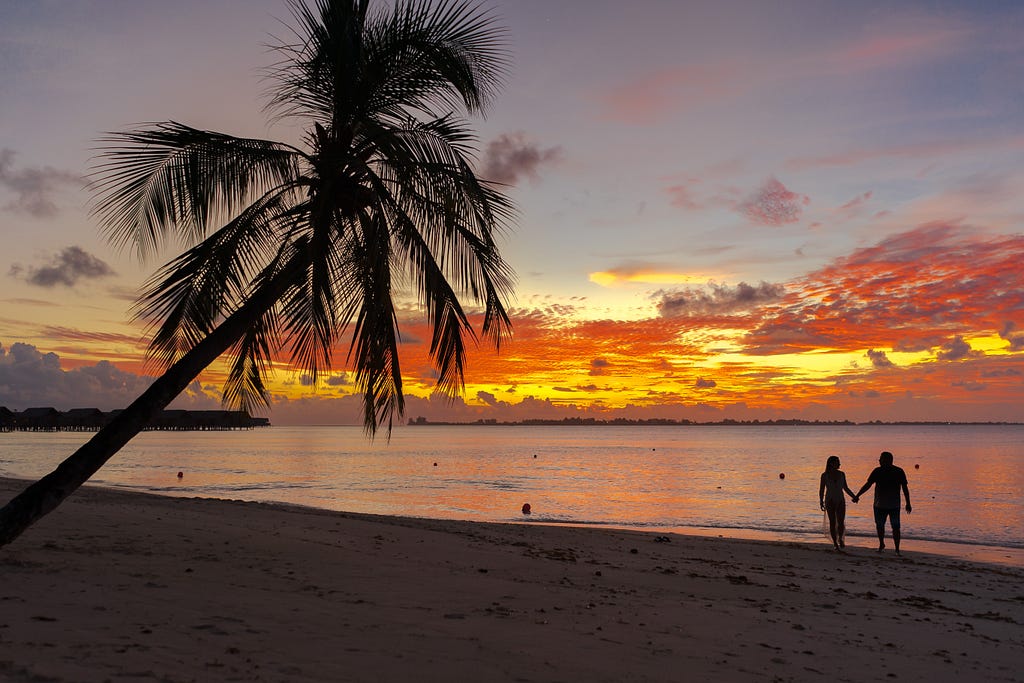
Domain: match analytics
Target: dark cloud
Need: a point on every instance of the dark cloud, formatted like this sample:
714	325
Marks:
599	367
67	268
341	380
879	359
716	299
702	383
1001	372
923	343
1016	339
33	187
969	385
512	157
30	378
774	204
955	349
487	397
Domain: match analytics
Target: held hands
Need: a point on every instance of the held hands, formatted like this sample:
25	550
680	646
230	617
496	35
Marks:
855	499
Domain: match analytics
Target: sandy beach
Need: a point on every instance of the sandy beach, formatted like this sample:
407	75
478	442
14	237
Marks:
121	586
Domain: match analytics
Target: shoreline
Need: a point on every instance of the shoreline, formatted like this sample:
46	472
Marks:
962	550
134	586
957	550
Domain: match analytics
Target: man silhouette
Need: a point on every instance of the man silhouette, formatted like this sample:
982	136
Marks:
888	480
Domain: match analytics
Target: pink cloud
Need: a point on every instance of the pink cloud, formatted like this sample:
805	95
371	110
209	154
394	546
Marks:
909	40
924	150
856	202
682	195
651	97
774	204
916	40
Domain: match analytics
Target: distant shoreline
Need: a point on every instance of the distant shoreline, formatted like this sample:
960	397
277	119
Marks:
589	422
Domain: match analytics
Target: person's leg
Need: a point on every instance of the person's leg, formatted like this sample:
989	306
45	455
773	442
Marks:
832	529
880	528
841	525
894	521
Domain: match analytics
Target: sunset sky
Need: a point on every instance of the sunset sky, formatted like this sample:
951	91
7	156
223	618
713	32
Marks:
726	209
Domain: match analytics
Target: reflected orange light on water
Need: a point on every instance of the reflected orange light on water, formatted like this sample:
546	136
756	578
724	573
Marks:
965	491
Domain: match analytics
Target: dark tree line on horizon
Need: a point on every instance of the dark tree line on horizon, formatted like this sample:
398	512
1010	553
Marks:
727	422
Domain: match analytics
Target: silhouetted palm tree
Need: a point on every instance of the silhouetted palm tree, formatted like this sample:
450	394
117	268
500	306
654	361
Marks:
302	249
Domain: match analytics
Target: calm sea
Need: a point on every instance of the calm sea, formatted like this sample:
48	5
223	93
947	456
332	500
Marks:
966	482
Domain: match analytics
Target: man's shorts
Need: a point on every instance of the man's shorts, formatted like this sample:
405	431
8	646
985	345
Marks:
893	515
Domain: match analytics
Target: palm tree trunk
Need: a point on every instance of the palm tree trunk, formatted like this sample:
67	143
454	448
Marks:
45	495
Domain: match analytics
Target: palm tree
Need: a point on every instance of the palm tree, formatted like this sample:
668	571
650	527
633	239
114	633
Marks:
301	250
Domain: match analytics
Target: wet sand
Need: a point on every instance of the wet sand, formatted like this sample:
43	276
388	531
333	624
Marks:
126	586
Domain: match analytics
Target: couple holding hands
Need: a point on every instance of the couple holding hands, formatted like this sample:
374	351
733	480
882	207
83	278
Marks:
888	481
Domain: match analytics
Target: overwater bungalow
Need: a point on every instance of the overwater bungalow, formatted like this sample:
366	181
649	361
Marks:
6	419
93	419
38	420
82	420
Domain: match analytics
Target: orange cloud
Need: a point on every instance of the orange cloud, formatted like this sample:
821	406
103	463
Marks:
922	325
912	291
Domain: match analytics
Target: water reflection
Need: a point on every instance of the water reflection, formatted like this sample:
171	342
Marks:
967	487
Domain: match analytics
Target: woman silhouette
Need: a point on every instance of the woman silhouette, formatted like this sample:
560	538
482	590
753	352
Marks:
832	500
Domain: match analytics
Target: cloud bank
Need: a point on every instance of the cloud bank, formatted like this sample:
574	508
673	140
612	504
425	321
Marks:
32	379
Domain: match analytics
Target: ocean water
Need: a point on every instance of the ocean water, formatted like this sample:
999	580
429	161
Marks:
966	481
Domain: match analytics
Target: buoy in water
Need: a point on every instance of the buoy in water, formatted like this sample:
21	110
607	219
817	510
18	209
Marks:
916	466
526	508
180	475
782	475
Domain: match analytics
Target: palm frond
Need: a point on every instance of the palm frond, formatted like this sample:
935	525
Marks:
310	309
341	65
244	388
430	181
443	221
188	296
374	351
449	51
171	179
